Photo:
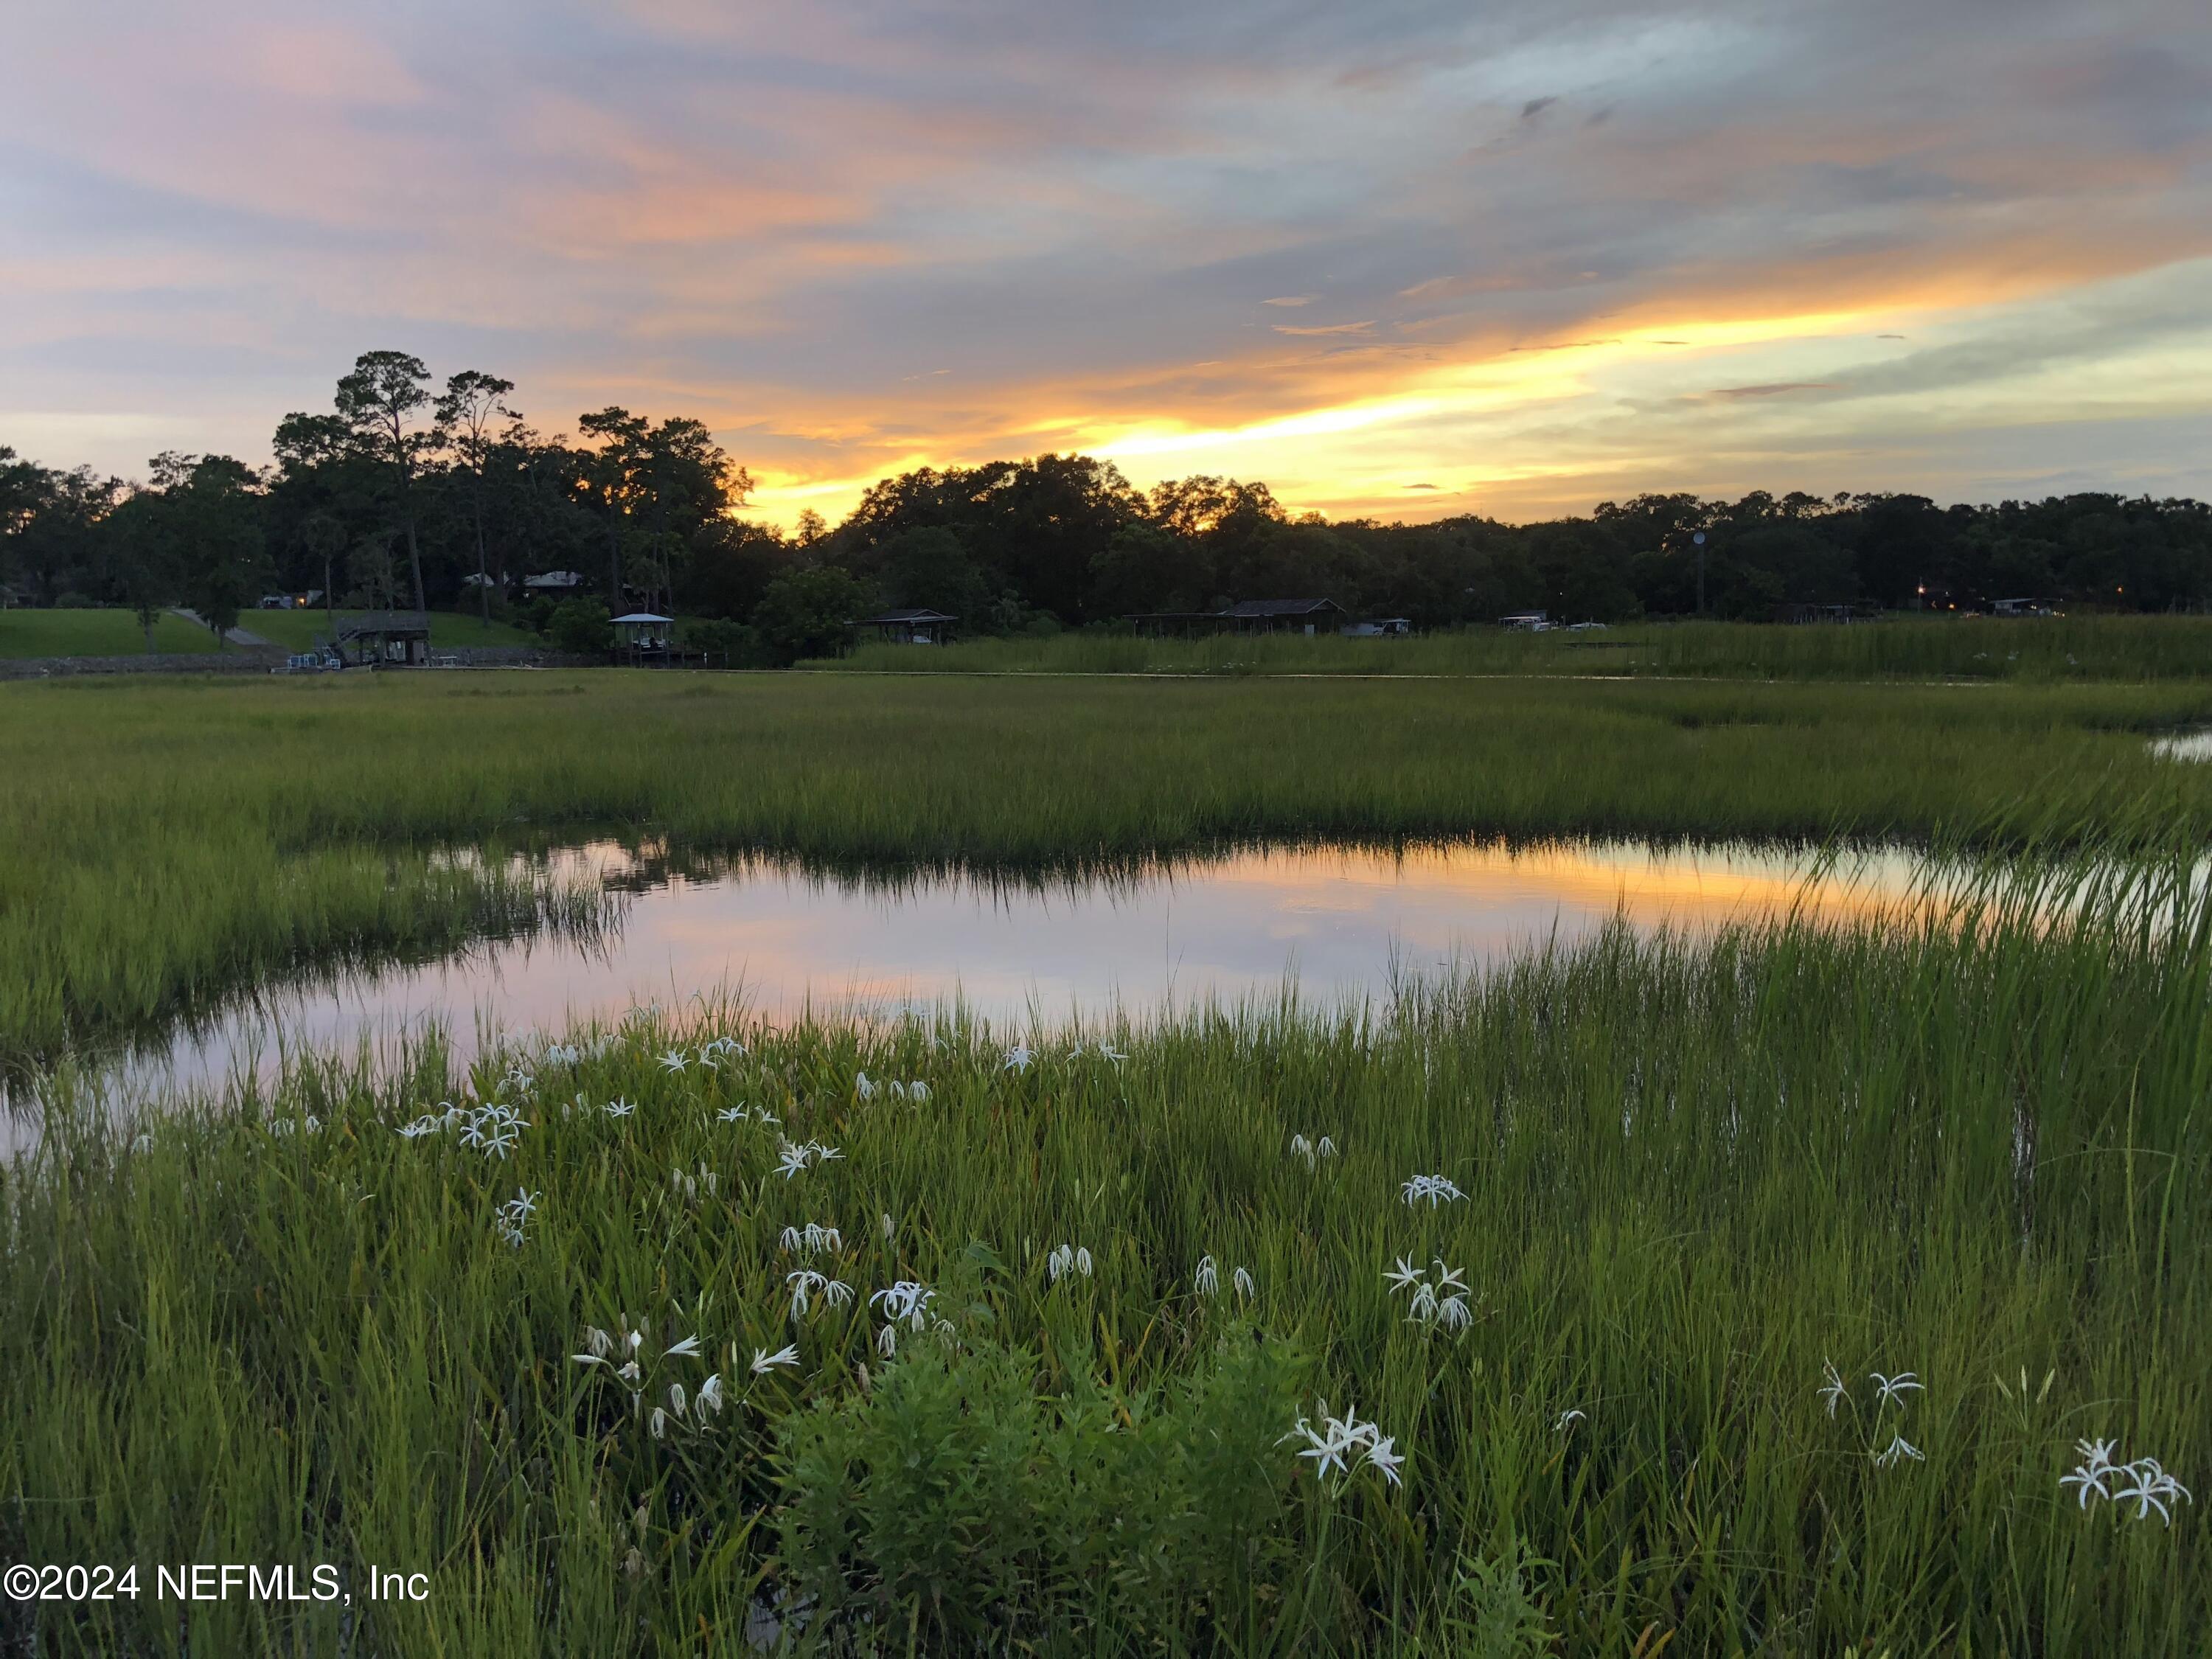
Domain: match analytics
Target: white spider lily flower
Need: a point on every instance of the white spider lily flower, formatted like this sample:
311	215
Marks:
917	1091
710	1395
1207	1280
1114	1055
2097	1455
1424	1302
1242	1278
673	1060
2148	1496
890	1227
1454	1314
789	1239
420	1126
791	1161
1448	1279
1567	1420
1340	1435
1326	1147
731	1115
2086	1480
660	1424
862	1087
887	1341
1888	1388
1301	1147
823	1154
620	1107
764	1362
1402	1277
1067	1259
1437	1188
802	1284
905	1299
836	1292
631	1373
1326	1450
2153	1486
1899	1447
687	1349
598	1341
1833	1390
1019	1058
1381	1454
678	1405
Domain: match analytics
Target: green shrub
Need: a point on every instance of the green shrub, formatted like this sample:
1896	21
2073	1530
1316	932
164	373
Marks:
581	626
957	1498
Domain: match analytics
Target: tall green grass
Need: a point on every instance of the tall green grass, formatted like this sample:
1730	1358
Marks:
2037	649
168	845
1695	1174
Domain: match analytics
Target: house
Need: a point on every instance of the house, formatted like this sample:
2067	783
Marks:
1526	622
553	583
1281	615
1377	627
918	626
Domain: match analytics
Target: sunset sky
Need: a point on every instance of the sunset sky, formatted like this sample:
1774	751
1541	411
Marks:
1398	259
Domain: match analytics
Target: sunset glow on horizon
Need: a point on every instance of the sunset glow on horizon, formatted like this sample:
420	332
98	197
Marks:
1392	261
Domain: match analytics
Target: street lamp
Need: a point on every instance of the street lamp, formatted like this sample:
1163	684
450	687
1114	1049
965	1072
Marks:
1697	541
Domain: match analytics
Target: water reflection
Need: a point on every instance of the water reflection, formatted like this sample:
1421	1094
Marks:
2184	746
1339	922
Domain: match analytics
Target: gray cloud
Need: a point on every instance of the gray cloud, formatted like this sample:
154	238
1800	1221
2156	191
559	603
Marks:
788	215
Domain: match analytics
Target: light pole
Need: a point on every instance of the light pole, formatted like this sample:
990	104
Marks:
1697	541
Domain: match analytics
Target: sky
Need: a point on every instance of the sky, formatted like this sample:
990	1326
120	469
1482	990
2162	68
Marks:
1398	259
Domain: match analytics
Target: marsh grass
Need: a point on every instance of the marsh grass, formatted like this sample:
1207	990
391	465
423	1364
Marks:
1695	1173
2036	650
170	845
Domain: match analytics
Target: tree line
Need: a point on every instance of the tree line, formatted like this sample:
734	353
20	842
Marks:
410	493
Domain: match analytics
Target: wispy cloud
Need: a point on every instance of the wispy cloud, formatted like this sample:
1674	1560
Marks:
1602	246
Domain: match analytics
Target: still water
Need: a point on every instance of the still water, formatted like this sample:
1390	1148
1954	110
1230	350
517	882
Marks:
1340	925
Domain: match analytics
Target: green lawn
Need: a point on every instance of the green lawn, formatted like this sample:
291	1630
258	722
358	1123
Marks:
297	630
26	633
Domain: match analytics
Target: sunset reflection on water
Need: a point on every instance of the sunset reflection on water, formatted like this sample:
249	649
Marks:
1339	924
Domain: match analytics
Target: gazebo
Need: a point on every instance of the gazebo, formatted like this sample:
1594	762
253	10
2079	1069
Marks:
376	638
641	633
918	626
